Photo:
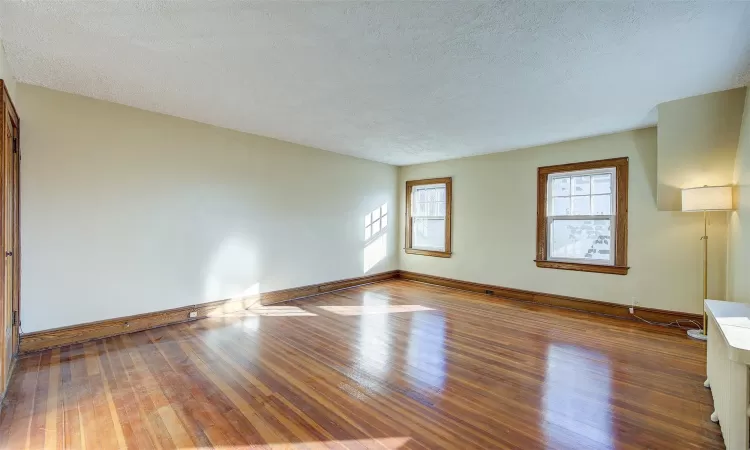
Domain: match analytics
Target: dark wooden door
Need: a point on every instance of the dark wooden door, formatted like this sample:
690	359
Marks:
9	235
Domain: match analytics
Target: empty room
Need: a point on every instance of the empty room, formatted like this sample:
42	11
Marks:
374	224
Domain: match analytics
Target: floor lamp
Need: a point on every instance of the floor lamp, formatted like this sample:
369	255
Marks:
705	199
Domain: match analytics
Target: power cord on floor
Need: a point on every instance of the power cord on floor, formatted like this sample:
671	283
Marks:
674	323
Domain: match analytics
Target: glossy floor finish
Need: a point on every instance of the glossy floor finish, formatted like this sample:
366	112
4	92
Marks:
396	364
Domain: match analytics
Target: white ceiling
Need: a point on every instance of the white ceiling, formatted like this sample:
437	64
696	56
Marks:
399	82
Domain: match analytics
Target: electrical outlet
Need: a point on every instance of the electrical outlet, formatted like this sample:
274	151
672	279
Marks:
631	310
193	314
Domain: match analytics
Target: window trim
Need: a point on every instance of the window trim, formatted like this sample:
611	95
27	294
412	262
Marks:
620	237
447	181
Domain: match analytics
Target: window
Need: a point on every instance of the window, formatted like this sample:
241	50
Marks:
582	216
428	217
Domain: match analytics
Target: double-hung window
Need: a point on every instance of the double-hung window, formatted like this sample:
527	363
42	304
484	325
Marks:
582	216
428	217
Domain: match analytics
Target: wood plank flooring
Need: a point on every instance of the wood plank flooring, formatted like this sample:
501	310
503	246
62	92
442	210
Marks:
396	364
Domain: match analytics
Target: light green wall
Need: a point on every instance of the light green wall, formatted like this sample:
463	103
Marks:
126	212
494	228
697	141
738	273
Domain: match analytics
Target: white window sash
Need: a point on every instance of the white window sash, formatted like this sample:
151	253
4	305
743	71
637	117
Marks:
612	240
429	217
413	230
413	217
423	187
424	247
613	187
611	217
414	201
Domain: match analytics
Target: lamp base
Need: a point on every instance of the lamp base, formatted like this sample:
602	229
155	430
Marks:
697	334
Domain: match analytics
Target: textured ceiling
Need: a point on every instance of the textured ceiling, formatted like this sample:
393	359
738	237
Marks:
398	82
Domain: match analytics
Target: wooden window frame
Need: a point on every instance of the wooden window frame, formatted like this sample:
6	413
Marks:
448	181
620	266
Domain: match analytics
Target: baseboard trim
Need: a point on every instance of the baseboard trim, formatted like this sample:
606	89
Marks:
4	392
46	339
589	306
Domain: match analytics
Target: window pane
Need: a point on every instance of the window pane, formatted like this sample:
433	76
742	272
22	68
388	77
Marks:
602	204
384	221
384	209
368	219
376	214
581	206
375	226
430	209
561	186
601	184
428	201
368	232
581	186
560	206
581	239
428	234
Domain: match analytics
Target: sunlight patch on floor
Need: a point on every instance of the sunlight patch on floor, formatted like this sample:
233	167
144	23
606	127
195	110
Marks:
271	311
386	442
365	310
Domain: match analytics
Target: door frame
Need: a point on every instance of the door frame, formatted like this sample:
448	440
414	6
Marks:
16	149
9	165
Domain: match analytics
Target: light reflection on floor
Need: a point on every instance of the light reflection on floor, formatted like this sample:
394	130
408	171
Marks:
426	351
357	310
252	316
381	443
374	338
271	311
577	390
424	358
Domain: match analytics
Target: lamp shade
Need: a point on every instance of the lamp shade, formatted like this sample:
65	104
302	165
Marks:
707	198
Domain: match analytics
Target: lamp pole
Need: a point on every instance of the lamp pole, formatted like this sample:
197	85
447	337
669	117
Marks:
705	268
706	199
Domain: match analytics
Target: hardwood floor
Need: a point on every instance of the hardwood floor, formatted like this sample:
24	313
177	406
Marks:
396	364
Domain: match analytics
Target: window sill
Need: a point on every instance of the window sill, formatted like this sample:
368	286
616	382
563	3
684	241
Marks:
413	251
598	268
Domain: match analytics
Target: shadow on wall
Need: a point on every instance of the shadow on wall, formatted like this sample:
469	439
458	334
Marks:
648	153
